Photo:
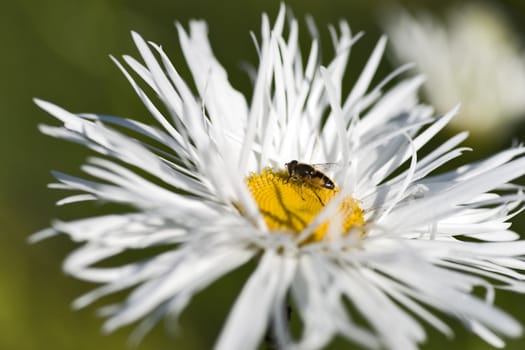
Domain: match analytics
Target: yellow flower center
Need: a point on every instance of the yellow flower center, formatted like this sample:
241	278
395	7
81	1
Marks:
291	204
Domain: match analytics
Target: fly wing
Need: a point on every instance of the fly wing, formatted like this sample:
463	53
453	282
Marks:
326	167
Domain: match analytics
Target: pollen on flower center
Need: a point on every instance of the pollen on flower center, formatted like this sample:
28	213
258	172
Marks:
290	205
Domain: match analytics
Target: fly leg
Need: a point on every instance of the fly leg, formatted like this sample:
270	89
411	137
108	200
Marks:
314	191
317	195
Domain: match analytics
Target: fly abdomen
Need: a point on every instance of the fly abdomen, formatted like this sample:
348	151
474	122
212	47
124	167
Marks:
328	183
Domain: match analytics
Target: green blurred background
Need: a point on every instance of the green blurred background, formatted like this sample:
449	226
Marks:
58	50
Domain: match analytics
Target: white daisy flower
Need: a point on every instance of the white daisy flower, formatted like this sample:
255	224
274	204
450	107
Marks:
381	236
473	57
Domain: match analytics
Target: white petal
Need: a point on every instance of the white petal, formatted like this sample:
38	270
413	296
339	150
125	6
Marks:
192	273
249	317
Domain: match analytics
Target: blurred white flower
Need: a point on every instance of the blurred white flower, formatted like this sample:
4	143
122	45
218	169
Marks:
208	184
473	57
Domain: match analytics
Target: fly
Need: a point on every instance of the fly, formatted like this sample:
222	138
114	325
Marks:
308	174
